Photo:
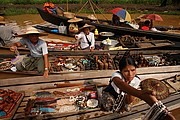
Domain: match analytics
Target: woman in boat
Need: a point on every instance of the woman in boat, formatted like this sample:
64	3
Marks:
38	49
115	20
118	95
86	38
73	26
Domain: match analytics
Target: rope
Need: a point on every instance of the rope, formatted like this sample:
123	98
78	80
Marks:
90	2
82	7
100	11
67	6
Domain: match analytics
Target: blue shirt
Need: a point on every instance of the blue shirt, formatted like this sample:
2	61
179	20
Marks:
37	50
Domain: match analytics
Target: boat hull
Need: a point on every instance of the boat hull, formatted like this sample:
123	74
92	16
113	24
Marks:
55	19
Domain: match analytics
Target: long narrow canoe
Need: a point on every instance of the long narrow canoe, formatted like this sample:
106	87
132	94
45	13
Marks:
151	50
30	84
55	19
171	55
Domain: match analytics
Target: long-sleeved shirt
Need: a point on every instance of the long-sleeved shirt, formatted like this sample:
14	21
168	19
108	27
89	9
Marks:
84	42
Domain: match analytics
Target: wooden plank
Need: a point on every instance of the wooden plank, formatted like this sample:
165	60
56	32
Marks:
86	75
101	77
94	114
139	111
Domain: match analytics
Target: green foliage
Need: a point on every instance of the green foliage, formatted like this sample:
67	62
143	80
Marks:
15	11
81	1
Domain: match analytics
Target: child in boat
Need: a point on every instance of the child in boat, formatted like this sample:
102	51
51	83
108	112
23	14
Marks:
86	38
38	49
118	95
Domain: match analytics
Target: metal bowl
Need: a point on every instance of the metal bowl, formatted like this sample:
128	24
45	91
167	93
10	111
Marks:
106	34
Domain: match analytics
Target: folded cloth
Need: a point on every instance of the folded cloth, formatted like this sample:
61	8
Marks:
157	112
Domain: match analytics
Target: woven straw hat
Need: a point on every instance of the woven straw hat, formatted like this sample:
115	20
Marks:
92	17
2	20
75	19
91	27
31	30
157	86
69	14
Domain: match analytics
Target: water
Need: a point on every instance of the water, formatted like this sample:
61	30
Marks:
168	20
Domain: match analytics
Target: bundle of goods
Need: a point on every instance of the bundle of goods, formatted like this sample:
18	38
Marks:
9	102
63	100
5	65
151	60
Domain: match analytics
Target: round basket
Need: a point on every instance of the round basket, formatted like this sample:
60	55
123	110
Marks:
159	87
69	14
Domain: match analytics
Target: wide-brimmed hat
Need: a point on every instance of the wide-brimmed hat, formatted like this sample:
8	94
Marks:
31	30
92	17
75	19
157	86
2	20
91	27
69	14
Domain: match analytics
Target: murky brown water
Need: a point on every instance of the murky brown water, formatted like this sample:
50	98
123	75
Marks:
169	20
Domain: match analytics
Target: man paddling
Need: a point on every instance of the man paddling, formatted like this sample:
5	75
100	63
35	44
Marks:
38	58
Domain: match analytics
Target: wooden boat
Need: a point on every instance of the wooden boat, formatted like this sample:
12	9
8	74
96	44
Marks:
59	49
55	19
172	58
100	78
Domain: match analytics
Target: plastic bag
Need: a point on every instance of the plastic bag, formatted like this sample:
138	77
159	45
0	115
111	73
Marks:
62	28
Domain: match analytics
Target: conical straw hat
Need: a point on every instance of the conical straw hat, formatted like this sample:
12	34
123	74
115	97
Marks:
75	19
92	17
91	27
31	30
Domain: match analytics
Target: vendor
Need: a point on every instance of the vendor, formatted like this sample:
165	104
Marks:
38	49
73	26
115	20
118	95
86	38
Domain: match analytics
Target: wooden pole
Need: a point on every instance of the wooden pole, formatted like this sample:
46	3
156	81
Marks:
67	6
90	2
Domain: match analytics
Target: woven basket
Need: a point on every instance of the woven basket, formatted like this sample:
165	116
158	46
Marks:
69	14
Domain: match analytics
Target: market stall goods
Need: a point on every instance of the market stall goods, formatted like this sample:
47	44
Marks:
9	102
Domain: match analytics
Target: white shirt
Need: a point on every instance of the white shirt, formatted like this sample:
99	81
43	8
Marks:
134	83
83	41
36	50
